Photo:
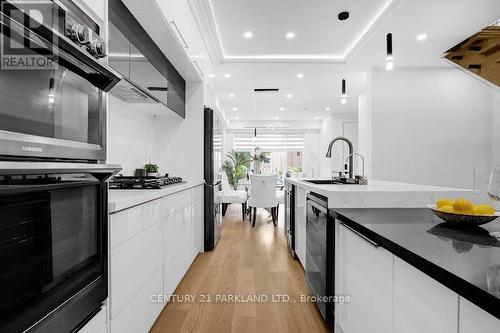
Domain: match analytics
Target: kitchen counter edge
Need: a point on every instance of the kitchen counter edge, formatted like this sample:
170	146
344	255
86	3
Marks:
123	199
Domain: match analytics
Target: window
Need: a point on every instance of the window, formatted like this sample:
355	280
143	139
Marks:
285	149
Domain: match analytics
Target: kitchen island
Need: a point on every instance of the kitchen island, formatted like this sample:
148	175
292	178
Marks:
408	271
376	194
335	264
380	193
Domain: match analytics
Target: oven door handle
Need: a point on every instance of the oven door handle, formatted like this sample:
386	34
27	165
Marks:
36	168
64	51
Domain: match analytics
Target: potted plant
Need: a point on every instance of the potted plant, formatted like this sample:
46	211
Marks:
259	159
236	167
151	169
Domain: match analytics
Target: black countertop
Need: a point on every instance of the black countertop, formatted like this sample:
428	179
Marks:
466	261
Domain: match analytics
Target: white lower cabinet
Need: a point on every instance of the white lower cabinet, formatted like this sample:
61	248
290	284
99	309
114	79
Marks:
365	276
474	319
300	225
421	304
132	264
389	295
198	223
177	247
152	246
140	313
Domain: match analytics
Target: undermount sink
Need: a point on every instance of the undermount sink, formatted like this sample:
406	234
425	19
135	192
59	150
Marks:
324	182
344	181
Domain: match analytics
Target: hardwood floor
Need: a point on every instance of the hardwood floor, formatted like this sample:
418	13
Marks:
247	261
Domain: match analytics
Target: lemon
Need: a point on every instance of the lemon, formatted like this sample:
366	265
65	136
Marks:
446	209
444	202
463	206
484	210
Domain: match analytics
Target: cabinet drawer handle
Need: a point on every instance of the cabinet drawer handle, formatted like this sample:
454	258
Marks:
372	243
180	34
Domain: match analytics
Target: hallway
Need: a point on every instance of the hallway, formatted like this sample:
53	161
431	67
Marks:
246	262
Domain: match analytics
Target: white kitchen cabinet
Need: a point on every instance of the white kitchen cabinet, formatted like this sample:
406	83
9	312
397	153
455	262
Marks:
181	20
421	304
473	317
140	313
152	246
365	274
177	247
300	225
132	264
198	224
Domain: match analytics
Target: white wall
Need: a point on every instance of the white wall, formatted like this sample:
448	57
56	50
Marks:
495	146
338	124
131	133
312	153
140	132
179	142
364	132
430	126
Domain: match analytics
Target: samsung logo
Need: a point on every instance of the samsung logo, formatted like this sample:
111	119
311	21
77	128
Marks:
32	149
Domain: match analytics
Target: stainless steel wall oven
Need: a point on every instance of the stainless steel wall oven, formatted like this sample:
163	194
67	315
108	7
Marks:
53	245
53	80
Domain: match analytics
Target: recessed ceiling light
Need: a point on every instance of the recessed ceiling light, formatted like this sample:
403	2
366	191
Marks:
231	95
421	37
276	118
327	108
236	118
227	75
288	95
300	76
282	109
235	109
290	35
316	118
211	75
248	34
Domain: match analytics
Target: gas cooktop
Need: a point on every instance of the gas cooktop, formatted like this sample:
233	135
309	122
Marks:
142	183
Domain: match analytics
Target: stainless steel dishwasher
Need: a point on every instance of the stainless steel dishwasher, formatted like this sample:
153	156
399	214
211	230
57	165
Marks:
320	251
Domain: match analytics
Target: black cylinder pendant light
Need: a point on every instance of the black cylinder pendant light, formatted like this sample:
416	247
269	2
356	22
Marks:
389	59
343	98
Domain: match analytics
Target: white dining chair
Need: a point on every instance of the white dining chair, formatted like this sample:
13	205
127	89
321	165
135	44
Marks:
263	195
230	195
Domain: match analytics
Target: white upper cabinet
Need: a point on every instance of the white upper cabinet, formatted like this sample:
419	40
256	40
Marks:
472	317
181	20
421	304
365	276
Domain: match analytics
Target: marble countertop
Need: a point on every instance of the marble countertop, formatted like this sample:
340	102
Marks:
123	199
380	194
464	260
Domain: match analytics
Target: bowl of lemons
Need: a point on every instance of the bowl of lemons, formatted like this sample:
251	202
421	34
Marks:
462	212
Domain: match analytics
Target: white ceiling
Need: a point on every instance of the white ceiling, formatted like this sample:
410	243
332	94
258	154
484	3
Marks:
319	88
318	32
445	22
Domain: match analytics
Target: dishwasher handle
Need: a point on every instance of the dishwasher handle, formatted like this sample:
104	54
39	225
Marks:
316	205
